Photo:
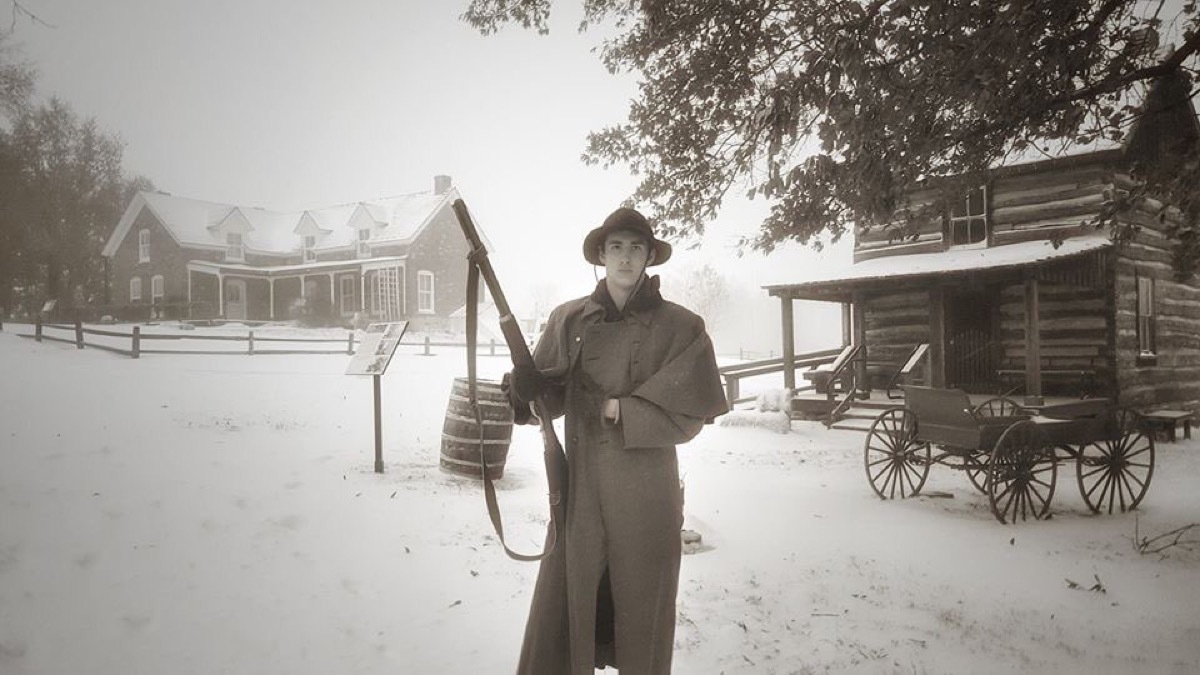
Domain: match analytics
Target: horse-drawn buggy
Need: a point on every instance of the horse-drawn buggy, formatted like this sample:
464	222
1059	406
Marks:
1011	452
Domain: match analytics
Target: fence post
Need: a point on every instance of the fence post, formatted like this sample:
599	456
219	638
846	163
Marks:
251	340
350	343
78	333
37	329
136	350
426	345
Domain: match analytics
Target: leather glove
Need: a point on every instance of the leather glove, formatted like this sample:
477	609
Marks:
524	384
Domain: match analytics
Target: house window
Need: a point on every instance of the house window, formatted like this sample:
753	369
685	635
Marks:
156	288
235	248
135	289
425	292
967	223
310	242
364	235
1146	328
144	246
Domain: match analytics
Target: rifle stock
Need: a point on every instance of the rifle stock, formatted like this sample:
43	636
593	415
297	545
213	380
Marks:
554	457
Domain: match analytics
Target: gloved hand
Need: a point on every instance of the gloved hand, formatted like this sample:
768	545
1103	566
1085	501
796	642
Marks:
524	383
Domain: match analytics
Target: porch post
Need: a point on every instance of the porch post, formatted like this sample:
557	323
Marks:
937	337
789	341
271	285
847	323
220	294
332	296
362	290
302	287
1033	344
860	338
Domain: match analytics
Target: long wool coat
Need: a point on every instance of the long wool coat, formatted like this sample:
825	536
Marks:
606	595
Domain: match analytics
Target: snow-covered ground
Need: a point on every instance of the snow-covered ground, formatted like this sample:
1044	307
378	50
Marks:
220	514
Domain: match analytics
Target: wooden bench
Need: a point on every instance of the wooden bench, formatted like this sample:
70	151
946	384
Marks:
1166	421
825	376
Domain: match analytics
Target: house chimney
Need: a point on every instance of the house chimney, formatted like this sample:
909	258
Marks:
441	184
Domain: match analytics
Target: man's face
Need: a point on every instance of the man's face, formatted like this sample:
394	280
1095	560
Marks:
625	256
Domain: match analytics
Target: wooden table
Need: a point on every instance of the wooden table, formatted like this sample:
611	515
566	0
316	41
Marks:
1167	420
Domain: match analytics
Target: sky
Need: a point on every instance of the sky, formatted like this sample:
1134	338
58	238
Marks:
291	104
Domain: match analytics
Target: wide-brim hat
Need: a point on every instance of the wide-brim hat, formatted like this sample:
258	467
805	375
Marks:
624	220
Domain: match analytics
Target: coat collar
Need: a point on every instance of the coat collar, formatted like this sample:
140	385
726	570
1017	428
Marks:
640	307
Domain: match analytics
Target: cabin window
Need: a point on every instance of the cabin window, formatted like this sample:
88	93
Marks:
144	246
967	221
156	288
425	292
135	289
235	248
364	236
1145	317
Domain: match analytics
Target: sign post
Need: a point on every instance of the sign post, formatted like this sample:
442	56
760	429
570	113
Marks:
372	358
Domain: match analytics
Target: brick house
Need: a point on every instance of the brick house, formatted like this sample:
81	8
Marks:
388	259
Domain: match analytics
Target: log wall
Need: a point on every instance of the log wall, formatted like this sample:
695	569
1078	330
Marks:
1022	207
1172	378
1074	332
895	323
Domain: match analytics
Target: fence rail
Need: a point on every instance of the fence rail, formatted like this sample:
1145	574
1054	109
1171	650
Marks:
734	374
136	337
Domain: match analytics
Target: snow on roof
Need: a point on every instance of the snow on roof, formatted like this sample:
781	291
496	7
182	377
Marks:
194	221
956	260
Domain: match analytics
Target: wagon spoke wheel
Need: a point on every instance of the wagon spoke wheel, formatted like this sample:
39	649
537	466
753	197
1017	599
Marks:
1115	473
976	466
1021	474
1000	406
896	462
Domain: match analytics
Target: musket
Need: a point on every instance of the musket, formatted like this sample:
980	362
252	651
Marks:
555	459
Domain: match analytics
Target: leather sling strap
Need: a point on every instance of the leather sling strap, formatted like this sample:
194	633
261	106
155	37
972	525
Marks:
489	488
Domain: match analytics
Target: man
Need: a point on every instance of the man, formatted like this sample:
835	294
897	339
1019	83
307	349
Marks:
634	375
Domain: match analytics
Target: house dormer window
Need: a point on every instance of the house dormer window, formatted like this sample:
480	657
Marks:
144	246
967	220
310	243
364	236
235	248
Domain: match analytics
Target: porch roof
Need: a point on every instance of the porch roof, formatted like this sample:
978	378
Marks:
324	266
891	269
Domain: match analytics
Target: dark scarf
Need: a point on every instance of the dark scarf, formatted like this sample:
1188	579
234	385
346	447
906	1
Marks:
646	297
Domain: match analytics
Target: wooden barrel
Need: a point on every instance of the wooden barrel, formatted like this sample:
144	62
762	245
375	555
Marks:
460	433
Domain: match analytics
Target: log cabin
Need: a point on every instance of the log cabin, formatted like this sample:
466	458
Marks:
1017	288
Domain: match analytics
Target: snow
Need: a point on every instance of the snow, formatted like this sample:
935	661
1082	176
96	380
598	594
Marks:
219	513
957	260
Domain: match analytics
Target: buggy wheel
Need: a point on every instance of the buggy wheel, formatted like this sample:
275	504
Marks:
895	460
976	466
1000	406
1115	474
1021	474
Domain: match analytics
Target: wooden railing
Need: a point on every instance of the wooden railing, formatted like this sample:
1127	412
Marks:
735	373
